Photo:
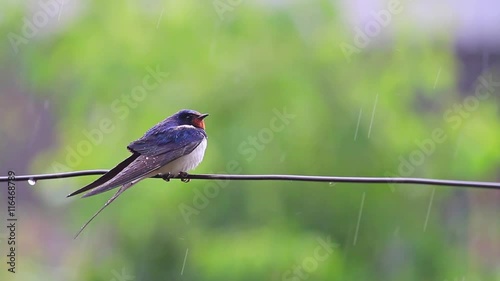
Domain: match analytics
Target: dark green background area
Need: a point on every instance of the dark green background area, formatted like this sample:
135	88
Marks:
284	98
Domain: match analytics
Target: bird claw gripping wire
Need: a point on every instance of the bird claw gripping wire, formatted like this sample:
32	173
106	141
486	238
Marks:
167	177
183	176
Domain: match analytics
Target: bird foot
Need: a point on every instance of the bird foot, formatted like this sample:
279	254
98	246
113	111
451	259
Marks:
167	177
183	176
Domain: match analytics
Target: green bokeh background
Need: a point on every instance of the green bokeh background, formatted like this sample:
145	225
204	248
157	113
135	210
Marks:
358	115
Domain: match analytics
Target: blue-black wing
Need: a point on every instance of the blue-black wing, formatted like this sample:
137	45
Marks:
176	140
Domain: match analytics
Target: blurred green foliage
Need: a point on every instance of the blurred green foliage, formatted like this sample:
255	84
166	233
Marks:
257	60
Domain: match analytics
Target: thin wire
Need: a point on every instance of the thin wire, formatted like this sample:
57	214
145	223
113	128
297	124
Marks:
370	180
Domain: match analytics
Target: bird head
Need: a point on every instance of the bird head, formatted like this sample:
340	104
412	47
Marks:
190	117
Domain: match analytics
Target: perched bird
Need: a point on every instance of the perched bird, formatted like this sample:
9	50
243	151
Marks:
172	147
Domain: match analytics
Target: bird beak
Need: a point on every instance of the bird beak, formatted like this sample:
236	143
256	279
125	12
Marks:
201	117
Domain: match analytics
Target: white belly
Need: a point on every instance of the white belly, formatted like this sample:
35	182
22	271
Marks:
186	162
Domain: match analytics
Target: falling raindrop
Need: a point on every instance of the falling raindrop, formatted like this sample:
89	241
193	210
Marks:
332	183
32	181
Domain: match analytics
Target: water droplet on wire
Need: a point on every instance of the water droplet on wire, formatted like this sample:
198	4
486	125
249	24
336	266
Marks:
32	181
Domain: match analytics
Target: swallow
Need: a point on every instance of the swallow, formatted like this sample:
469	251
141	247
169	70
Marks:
170	148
